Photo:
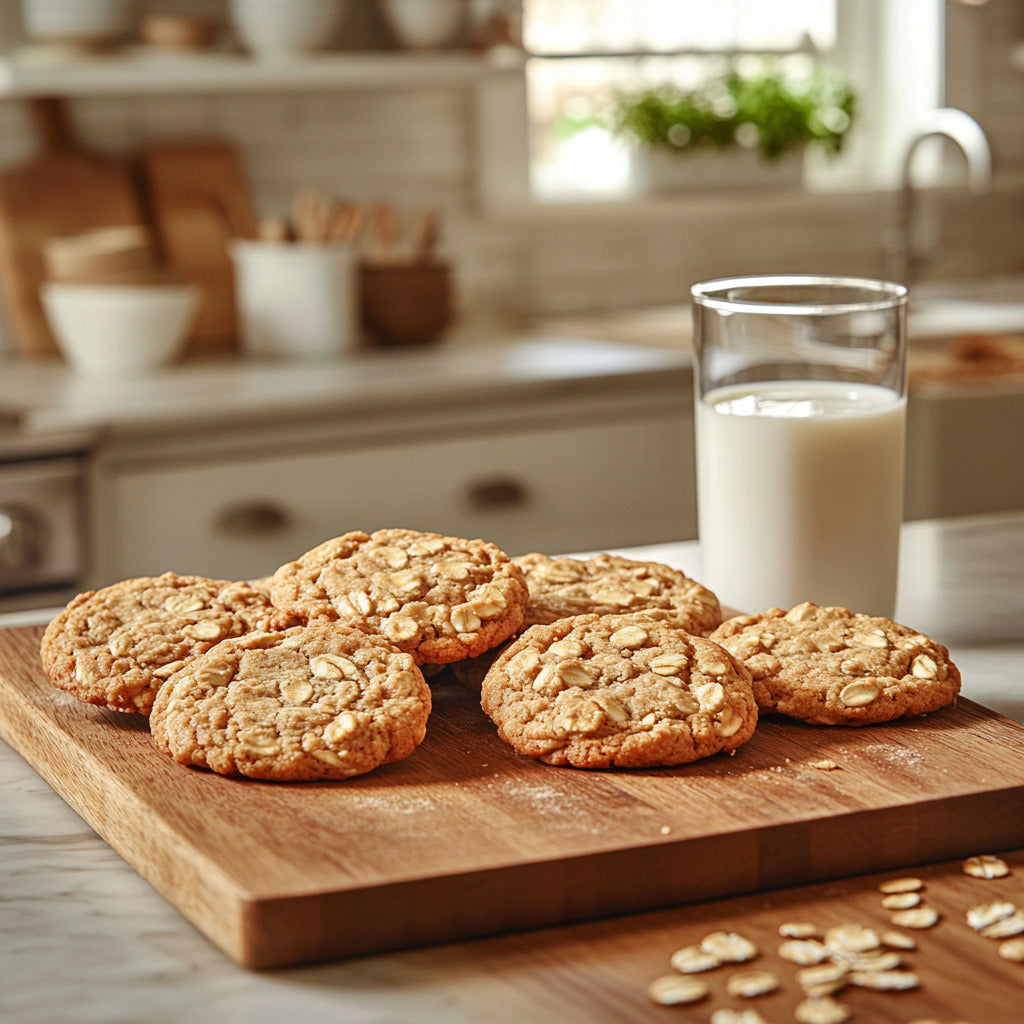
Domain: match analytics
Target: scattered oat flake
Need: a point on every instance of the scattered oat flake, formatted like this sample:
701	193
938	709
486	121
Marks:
820	991
798	930
693	960
1012	949
825	766
885	981
876	960
1009	926
665	830
935	1020
674	990
823	974
749	984
985	914
729	947
918	917
897	940
727	1016
852	938
901	900
985	865
895	885
821	1010
803	951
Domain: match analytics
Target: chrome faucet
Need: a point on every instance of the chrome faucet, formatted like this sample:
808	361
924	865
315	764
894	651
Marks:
903	259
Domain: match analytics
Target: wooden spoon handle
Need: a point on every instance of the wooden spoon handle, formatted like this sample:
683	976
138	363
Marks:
387	227
425	236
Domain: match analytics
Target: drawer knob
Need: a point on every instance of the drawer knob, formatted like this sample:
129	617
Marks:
258	519
497	494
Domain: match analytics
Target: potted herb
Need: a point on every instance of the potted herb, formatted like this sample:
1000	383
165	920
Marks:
772	118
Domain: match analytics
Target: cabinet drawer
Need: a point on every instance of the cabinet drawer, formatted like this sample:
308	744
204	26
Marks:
554	489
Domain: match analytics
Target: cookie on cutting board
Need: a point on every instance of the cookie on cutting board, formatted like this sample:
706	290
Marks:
438	598
116	646
831	666
597	691
323	701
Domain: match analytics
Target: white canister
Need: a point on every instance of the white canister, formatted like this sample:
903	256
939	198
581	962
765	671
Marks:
425	24
295	300
284	28
95	22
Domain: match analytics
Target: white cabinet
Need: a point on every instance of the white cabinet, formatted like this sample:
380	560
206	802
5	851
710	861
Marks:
554	489
547	447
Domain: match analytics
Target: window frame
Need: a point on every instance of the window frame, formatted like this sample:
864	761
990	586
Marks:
881	45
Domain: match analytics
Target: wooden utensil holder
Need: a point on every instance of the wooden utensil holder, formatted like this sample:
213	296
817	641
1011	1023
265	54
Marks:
406	303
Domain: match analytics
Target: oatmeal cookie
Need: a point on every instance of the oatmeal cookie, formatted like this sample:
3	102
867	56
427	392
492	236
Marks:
323	701
831	666
603	585
438	598
612	585
116	646
596	691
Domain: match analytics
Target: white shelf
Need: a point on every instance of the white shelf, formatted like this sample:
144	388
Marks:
139	70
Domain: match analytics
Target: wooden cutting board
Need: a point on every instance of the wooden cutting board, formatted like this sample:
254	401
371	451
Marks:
63	190
198	196
466	838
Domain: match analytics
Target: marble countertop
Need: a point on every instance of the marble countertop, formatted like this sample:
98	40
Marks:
83	938
46	398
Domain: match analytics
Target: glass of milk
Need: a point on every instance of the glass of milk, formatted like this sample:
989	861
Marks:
800	389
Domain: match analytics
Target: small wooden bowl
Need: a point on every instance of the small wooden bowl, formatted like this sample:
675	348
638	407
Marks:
179	31
404	304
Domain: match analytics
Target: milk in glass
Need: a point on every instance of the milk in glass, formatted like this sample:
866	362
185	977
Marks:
800	494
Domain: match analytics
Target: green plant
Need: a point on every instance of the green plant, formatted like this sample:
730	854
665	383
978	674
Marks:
772	113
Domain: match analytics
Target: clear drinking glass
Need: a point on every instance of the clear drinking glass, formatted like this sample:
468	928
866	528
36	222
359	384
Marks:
800	389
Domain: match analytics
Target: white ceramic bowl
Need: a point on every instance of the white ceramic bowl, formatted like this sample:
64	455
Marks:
282	28
79	21
425	24
119	330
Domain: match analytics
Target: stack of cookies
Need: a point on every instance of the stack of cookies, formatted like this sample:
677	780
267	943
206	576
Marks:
320	671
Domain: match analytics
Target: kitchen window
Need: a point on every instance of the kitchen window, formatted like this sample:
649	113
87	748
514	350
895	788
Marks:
583	52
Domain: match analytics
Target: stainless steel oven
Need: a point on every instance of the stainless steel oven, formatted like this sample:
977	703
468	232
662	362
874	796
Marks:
42	526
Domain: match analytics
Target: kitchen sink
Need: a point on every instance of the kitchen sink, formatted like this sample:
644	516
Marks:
965	432
986	306
967	335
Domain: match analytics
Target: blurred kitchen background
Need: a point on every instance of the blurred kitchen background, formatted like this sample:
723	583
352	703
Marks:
512	358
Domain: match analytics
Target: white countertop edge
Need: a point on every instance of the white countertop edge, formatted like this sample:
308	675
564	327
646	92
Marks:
47	397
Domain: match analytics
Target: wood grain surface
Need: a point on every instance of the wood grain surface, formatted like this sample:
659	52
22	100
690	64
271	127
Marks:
600	970
465	838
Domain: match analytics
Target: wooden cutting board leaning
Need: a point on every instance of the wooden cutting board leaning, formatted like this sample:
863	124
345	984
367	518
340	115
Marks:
199	200
466	838
62	190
